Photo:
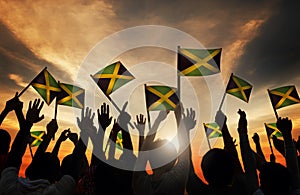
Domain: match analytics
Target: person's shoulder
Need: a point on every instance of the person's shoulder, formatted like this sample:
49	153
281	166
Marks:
258	192
65	185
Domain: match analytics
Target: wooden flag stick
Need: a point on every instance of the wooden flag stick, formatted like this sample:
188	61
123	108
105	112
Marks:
207	137
30	149
115	105
148	113
274	109
269	140
178	75
223	98
30	83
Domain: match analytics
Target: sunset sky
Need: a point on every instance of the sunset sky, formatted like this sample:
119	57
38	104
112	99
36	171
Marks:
259	40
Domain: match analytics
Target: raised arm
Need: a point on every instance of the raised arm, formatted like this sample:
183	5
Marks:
140	126
63	137
10	105
279	145
19	145
259	151
52	128
285	126
247	155
229	143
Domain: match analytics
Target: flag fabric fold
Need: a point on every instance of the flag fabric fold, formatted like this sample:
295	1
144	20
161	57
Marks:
199	62
161	97
119	141
212	130
283	96
239	88
45	84
71	95
112	77
272	130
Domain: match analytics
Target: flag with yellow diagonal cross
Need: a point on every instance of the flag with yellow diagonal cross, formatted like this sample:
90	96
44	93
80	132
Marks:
272	130
119	141
212	130
161	97
36	138
71	95
283	96
46	86
199	62
239	88
112	77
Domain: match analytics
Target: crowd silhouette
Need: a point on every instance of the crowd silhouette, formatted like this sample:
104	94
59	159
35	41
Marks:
173	171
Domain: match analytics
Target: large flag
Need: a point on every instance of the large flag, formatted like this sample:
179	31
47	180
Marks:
161	97
239	88
272	130
212	130
112	77
119	141
46	86
70	95
36	138
283	96
199	62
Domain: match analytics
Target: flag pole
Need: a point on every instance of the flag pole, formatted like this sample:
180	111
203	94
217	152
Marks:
274	109
30	149
55	109
115	105
148	113
178	75
224	95
269	140
207	137
30	83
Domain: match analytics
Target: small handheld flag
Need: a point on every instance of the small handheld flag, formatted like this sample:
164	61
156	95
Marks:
199	62
46	86
36	138
119	141
283	96
272	130
212	130
161	98
112	77
71	95
239	88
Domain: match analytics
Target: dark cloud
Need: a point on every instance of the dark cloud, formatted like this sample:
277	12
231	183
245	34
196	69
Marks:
273	57
16	58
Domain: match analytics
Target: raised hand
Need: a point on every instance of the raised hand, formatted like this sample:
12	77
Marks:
189	119
33	113
285	126
73	137
255	138
52	127
103	116
242	126
64	135
13	104
220	118
86	122
140	124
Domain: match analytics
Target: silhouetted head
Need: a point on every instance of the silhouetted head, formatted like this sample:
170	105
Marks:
4	141
67	165
44	166
164	153
218	167
274	179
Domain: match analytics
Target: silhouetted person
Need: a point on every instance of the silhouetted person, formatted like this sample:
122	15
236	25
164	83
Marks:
4	148
168	177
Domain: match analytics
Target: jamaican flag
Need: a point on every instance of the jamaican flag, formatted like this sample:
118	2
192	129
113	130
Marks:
70	95
161	98
199	62
36	138
112	77
283	96
212	130
239	88
46	86
272	130
119	141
